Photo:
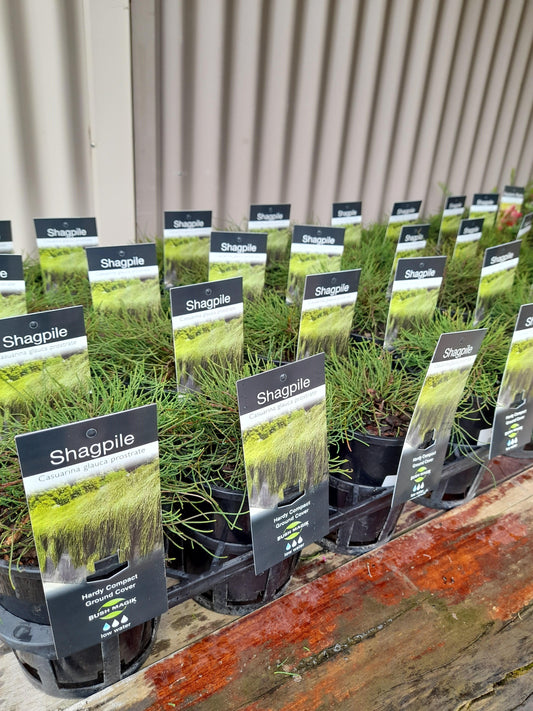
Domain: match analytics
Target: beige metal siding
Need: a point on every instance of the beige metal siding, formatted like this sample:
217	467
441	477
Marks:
65	119
124	110
310	101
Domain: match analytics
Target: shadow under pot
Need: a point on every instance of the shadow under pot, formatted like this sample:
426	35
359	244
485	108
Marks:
369	460
226	538
26	629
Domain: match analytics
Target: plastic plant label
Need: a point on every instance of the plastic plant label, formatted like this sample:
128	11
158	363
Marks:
61	244
6	239
411	242
95	507
327	312
466	245
349	216
243	254
402	213
426	442
525	225
314	250
275	221
513	418
510	207
454	208
42	354
12	286
497	275
485	205
186	246
415	291
207	326
124	278
283	425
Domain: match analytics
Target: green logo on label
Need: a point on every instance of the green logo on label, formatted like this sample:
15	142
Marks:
421	471
117	608
292	533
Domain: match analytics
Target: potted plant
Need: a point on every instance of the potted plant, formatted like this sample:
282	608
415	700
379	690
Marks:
209	457
130	367
370	402
21	590
475	412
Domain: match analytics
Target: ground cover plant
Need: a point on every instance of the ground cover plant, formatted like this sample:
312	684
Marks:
368	391
271	327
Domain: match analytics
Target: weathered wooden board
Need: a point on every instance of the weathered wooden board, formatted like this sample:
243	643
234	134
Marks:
439	618
440	614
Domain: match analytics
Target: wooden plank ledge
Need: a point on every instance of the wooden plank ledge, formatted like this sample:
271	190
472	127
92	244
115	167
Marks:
441	618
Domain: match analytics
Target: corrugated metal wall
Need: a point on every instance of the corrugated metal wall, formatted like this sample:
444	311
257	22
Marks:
124	110
311	101
66	125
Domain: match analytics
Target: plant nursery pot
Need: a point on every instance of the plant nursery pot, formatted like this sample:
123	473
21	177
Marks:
25	628
370	460
476	429
458	488
229	538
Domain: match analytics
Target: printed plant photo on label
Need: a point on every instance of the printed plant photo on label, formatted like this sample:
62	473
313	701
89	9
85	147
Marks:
516	382
38	379
253	275
304	263
76	524
449	228
13	304
409	307
326	329
62	265
279	451
278	244
197	345
126	295
186	259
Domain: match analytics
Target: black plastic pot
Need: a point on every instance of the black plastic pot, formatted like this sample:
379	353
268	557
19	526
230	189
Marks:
459	487
472	428
462	486
25	628
370	459
229	537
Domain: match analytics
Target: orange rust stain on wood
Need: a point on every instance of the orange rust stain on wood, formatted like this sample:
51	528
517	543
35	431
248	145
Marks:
469	554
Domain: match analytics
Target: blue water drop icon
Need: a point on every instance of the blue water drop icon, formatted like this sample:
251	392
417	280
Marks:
288	547
106	627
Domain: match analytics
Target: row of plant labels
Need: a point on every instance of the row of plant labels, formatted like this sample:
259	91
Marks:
63	242
126	279
93	487
501	210
207	318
